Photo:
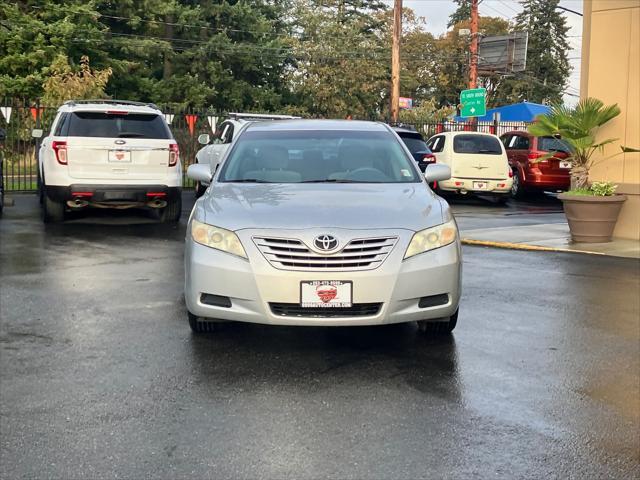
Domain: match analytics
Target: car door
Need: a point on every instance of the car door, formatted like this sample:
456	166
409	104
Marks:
518	151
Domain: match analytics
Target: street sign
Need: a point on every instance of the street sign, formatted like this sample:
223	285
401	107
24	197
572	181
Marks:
473	102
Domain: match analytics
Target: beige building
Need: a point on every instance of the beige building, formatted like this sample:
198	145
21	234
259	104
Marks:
611	72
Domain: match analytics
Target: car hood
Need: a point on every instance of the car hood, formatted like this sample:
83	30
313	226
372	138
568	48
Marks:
232	206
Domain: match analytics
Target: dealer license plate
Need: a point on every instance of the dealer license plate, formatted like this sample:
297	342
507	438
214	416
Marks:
480	185
326	294
119	156
565	164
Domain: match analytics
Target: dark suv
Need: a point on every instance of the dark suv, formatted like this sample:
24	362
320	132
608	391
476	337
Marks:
416	145
530	173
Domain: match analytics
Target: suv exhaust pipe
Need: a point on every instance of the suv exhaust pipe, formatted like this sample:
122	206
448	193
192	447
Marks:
77	203
157	203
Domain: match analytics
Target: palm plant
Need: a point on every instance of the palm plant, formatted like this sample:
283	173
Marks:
577	126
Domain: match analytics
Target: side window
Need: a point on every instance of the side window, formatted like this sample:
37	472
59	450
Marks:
220	129
227	136
522	143
437	145
62	126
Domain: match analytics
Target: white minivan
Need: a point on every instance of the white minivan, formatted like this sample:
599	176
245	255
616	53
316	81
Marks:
478	163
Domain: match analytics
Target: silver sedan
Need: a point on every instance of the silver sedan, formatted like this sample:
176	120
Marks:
324	223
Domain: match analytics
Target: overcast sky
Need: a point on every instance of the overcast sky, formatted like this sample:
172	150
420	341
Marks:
437	14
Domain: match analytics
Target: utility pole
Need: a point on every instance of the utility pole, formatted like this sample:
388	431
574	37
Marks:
395	60
473	70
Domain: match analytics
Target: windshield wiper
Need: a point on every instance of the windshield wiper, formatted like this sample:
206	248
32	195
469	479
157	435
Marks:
246	180
487	151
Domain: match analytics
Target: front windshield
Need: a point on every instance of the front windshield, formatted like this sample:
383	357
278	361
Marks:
318	156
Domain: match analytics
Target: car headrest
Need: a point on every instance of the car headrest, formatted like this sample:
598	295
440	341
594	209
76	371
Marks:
274	158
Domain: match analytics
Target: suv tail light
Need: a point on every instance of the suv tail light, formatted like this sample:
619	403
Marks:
429	157
60	149
536	156
174	154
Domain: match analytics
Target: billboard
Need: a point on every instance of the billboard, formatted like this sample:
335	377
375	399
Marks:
503	54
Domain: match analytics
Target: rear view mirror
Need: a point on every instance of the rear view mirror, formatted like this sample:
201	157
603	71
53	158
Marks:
437	172
37	133
200	172
204	139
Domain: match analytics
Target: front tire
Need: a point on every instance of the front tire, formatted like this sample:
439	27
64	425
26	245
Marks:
438	328
52	211
172	212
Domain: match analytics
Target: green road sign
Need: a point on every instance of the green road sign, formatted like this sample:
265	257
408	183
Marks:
473	102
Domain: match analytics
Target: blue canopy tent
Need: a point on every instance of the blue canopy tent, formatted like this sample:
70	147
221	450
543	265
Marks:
518	112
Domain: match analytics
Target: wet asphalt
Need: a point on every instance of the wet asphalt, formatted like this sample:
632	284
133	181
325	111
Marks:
100	376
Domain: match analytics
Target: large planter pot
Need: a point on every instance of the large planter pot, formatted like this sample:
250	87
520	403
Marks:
592	219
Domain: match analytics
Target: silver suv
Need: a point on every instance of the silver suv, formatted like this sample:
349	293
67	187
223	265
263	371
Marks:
214	148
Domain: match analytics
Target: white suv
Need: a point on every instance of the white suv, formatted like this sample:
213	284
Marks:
109	153
214	150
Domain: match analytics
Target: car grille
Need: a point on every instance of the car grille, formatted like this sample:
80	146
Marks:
295	310
293	254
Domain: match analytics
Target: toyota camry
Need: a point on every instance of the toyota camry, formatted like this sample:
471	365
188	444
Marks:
325	223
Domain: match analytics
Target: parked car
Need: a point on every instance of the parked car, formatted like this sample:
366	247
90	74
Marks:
215	148
109	153
416	145
533	170
478	163
323	223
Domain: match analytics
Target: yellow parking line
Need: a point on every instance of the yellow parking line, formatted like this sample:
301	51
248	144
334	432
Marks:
524	246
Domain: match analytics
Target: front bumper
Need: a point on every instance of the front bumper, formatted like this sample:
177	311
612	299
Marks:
463	185
254	286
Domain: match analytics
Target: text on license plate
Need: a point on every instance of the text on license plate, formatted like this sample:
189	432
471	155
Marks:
326	294
119	156
565	164
480	185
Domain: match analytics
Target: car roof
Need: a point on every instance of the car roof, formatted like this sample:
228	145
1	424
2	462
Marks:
409	130
309	124
453	134
518	132
108	105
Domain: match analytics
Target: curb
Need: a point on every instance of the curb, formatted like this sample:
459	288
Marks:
524	246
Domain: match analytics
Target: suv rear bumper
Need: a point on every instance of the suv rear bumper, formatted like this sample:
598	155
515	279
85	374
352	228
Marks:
113	193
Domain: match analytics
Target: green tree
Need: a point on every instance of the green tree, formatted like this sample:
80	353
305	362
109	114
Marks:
64	83
341	60
34	33
548	65
461	14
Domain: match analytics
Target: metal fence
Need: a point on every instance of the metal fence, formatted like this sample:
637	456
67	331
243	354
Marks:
19	150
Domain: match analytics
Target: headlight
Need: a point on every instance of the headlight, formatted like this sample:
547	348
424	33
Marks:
431	238
216	237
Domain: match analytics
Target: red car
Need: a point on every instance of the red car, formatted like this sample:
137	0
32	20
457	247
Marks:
531	174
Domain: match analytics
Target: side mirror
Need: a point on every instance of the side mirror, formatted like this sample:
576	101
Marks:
204	139
37	133
200	172
437	172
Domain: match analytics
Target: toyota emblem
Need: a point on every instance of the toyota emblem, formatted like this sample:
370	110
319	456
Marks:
325	243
